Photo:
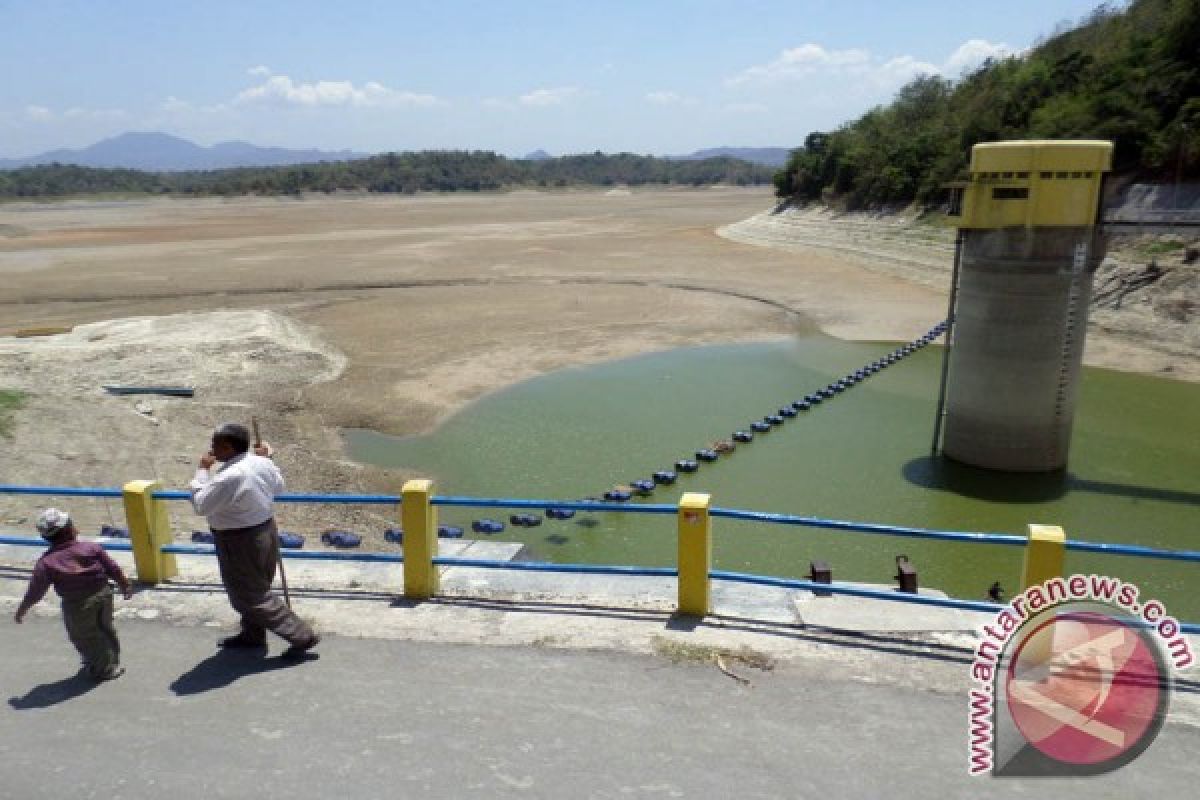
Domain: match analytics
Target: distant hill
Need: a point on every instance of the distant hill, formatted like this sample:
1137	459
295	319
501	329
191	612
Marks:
427	171
766	156
536	155
161	152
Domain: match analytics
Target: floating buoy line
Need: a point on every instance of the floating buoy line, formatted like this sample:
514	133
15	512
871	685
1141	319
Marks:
714	450
644	487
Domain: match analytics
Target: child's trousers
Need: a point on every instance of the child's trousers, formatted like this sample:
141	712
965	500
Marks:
89	622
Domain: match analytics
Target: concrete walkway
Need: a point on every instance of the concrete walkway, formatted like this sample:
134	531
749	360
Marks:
516	684
379	718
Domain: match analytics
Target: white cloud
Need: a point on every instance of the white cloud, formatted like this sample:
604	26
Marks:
973	53
799	62
174	104
282	90
900	70
812	59
38	113
548	97
259	72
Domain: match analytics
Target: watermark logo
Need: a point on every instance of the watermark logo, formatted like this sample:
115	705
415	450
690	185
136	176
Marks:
1073	677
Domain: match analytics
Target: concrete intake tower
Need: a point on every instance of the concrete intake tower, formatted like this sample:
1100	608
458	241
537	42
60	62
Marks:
1029	242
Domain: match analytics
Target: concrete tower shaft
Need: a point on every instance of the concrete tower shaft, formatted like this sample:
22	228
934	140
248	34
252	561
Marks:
1028	248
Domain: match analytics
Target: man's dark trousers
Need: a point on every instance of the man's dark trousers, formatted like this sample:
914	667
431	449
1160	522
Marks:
248	558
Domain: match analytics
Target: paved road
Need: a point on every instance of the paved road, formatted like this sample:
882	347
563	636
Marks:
384	718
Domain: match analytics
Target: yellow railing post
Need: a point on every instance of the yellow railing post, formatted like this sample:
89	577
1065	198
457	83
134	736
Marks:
1045	555
149	530
695	554
418	518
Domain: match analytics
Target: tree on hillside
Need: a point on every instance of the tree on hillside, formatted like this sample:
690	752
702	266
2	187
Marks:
1131	76
430	171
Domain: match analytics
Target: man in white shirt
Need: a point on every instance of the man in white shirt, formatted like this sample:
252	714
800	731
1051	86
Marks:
237	498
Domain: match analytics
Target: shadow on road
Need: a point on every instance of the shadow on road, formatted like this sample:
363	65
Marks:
51	694
226	666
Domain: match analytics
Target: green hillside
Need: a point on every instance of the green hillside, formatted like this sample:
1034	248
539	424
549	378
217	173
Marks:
1130	75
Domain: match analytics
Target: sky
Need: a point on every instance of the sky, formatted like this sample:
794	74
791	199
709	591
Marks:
566	76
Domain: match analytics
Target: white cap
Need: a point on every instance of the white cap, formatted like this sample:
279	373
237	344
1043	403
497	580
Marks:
52	522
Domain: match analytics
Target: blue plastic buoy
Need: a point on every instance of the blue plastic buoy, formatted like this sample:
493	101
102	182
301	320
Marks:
743	436
802	405
115	533
787	411
292	541
706	455
774	419
665	477
642	486
344	539
686	465
560	513
449	532
759	426
487	526
618	495
203	537
396	535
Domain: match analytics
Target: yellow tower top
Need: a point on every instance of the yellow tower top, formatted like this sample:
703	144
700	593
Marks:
1035	183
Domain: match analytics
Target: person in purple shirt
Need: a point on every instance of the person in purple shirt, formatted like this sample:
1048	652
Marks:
79	571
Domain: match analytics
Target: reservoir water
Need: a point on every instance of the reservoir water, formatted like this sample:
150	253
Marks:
1133	476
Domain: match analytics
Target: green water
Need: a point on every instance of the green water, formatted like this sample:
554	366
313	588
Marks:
1134	474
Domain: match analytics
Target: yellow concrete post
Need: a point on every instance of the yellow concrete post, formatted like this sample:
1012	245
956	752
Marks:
1045	555
418	518
695	554
149	530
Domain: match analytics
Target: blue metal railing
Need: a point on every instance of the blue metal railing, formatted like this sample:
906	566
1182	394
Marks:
978	537
368	499
570	505
974	537
33	541
546	566
8	488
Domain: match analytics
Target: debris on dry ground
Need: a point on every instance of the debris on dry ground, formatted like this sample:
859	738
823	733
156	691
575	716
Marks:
1149	287
679	652
241	363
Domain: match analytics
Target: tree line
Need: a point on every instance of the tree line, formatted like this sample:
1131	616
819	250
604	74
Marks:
428	171
1130	75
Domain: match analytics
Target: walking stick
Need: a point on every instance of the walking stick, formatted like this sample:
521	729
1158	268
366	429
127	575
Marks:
287	597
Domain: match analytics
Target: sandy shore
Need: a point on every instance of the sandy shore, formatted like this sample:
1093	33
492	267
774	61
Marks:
415	305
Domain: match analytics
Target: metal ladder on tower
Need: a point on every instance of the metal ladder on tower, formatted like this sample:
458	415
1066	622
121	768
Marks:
1075	295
